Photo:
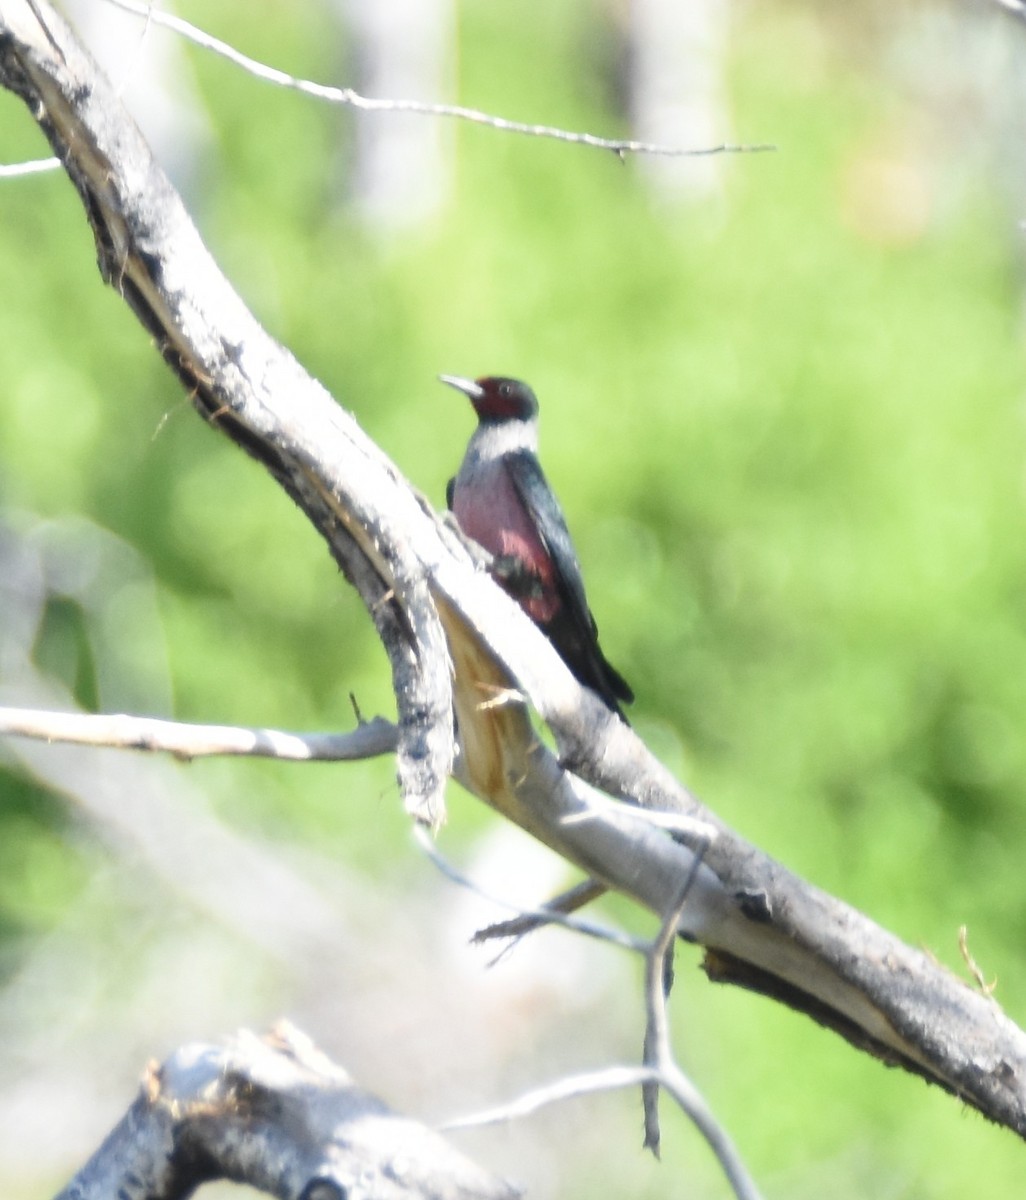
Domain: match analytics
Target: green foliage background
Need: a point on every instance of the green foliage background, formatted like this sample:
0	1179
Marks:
787	428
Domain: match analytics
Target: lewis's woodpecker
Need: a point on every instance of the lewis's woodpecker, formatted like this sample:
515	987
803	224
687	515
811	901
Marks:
501	498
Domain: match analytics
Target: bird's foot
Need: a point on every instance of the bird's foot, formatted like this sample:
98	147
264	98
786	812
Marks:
517	579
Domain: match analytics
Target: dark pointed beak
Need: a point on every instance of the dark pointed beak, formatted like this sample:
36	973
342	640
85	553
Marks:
468	387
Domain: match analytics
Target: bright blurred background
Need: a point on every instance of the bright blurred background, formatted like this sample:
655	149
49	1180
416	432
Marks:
782	400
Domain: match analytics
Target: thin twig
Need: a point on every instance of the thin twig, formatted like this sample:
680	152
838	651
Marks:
568	1087
369	740
352	99
36	166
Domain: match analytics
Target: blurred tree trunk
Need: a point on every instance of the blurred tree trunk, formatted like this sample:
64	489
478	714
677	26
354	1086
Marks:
675	67
401	162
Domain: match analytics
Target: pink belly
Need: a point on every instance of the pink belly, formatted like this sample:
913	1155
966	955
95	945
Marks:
496	520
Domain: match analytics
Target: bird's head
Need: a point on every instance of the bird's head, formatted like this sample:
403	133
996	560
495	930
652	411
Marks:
495	398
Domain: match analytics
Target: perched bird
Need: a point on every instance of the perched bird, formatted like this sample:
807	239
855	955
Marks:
501	498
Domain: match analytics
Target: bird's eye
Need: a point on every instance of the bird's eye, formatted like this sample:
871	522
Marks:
505	390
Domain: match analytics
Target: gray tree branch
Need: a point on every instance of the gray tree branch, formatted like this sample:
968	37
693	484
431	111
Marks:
456	643
276	1114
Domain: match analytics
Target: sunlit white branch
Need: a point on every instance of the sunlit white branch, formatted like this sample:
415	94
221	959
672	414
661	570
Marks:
368	740
36	166
597	804
567	1087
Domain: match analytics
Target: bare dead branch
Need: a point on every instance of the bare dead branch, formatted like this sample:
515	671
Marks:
455	639
352	99
276	1114
369	739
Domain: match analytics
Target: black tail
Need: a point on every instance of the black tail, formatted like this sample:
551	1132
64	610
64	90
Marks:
584	657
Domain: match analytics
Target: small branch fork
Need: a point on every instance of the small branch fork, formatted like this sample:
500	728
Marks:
660	1069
